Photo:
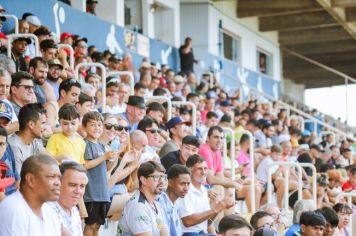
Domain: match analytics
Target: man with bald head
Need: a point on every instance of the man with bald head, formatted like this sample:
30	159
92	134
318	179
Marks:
26	211
139	143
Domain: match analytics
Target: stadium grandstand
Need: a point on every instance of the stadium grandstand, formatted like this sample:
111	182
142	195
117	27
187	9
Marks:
176	118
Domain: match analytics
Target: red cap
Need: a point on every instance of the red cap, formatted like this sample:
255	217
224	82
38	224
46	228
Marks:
2	36
65	35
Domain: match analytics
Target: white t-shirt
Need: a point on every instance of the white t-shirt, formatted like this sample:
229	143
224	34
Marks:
18	219
196	201
262	169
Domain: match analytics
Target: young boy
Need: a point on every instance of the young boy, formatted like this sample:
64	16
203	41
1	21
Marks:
96	197
67	144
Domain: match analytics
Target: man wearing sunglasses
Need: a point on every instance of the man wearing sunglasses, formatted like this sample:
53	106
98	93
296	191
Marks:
21	90
142	214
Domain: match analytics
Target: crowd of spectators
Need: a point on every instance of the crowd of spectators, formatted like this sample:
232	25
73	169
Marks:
69	165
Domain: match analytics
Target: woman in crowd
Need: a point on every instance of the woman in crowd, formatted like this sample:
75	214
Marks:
344	213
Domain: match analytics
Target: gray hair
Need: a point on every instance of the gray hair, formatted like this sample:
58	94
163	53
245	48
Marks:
300	206
137	136
87	88
7	64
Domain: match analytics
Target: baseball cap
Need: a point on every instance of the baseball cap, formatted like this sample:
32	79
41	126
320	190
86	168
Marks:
265	232
65	35
177	121
55	62
306	133
5	110
28	40
137	101
80	39
2	18
225	103
5	181
34	20
179	79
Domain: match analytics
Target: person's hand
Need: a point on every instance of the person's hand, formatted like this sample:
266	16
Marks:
237	185
62	55
130	156
110	155
212	194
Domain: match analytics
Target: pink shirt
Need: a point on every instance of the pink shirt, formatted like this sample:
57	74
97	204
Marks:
244	158
213	158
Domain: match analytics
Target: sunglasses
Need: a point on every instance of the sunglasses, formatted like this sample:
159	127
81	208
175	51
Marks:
153	131
27	87
117	127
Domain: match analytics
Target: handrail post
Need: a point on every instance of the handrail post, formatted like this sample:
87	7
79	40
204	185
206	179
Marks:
71	53
194	113
129	74
16	20
314	186
162	98
103	78
232	153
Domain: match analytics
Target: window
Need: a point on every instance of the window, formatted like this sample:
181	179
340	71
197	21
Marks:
230	46
264	61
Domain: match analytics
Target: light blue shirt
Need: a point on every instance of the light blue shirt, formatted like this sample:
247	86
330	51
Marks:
170	214
294	228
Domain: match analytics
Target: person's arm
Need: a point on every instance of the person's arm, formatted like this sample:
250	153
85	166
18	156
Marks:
90	164
220	180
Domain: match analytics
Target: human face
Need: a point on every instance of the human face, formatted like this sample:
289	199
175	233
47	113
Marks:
213	121
154	84
19	47
155	182
153	134
72	97
157	115
186	151
40	73
215	141
54	72
329	229
24	27
172	88
38	127
140	113
4	122
46	183
180	185
238	232
49	54
112	90
24	91
110	133
3	145
123	94
309	230
199	172
5	82
140	145
69	127
344	219
141	92
123	134
180	131
269	132
266	221
73	184
84	108
81	48
94	129
94	81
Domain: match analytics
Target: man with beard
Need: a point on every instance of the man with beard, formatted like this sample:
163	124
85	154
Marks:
26	211
19	47
142	215
54	71
178	186
38	68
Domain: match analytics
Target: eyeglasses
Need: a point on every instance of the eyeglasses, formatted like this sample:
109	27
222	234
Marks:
121	128
266	225
154	131
158	177
27	87
82	45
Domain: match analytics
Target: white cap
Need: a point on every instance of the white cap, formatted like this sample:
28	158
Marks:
34	20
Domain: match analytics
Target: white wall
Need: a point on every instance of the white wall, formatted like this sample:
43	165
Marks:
136	13
112	11
295	91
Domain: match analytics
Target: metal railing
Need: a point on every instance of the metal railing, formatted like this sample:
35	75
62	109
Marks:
12	37
286	181
16	21
162	98
314	183
127	73
103	78
194	113
71	53
252	166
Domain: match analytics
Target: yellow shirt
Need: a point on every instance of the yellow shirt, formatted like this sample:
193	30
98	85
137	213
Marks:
60	145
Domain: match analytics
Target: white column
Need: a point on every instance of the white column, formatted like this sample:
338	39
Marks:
147	18
112	11
79	4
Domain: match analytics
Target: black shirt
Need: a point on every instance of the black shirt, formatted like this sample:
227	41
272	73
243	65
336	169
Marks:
170	159
186	60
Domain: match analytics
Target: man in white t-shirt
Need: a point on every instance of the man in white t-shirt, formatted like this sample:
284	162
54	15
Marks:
73	181
26	211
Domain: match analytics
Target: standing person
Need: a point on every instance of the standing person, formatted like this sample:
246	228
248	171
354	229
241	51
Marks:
73	181
26	212
234	225
186	56
142	215
178	186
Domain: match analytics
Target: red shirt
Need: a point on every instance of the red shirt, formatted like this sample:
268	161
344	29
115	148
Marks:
347	186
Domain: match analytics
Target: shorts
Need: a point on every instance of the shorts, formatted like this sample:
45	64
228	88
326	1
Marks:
97	212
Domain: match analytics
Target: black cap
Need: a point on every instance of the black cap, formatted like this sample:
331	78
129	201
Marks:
137	101
2	18
316	147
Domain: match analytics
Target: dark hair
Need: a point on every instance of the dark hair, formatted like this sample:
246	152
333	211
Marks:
211	114
330	215
226	118
68	112
159	91
175	170
48	43
145	123
191	95
90	75
213	128
155	106
312	218
139	86
244	138
30	112
191	140
83	98
276	148
67	85
233	221
42	30
71	165
266	126
342	208
36	61
353	170
252	122
34	164
149	168
194	159
256	217
21	75
92	115
3	132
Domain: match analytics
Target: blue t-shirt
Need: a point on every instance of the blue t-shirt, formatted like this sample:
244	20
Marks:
9	160
170	214
294	228
97	189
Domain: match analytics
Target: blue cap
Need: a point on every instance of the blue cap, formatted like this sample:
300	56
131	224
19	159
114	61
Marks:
306	133
5	110
225	103
176	121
